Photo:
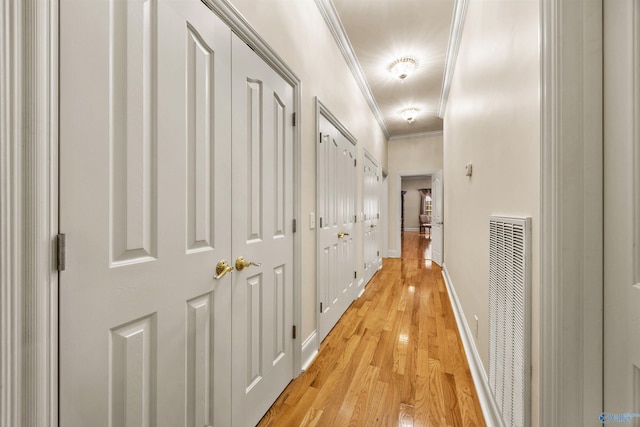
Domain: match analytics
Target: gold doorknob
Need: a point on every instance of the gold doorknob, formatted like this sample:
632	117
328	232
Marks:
223	268
242	263
373	226
342	234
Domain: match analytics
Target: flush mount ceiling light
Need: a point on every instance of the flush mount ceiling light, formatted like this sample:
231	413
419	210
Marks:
409	114
403	67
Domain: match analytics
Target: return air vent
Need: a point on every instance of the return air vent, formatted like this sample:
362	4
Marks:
509	317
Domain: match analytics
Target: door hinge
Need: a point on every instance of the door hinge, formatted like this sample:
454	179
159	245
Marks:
378	215
294	332
355	162
320	137
295	226
321	308
294	119
355	218
377	253
377	178
320	222
355	274
61	247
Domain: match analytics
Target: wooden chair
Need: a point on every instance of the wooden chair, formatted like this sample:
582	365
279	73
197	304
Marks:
425	223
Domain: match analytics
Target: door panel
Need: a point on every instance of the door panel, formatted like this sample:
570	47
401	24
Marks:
336	230
371	214
437	231
262	233
145	231
622	210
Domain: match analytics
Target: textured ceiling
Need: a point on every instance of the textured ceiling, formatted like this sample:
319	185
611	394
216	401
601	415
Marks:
381	31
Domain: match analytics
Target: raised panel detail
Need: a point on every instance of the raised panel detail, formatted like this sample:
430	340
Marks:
254	160
132	388
199	353
133	164
279	166
200	142
254	331
326	263
279	304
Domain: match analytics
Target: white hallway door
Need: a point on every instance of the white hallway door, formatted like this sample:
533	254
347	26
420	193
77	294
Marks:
437	221
336	230
262	200
152	332
371	197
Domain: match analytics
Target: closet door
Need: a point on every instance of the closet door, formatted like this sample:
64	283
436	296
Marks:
145	335
336	228
262	222
371	195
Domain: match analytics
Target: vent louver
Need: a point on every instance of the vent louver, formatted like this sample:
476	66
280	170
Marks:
509	317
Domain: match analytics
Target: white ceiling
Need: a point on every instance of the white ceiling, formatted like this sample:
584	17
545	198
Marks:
380	31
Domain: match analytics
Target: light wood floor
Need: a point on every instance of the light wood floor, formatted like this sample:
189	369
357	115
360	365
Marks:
394	359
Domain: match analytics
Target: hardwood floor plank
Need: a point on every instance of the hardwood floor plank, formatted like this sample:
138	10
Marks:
452	410
395	358
375	416
365	403
405	416
436	394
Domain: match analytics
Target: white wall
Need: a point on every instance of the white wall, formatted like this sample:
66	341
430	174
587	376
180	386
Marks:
412	200
408	156
299	35
492	120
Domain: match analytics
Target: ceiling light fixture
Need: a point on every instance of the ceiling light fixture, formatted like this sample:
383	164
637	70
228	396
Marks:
403	67
409	114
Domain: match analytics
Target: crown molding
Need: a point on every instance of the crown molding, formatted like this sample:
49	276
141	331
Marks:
330	15
322	109
417	135
455	36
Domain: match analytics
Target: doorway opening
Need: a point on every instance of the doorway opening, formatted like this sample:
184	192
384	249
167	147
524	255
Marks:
419	213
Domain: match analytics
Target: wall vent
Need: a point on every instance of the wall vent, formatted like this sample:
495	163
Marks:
509	317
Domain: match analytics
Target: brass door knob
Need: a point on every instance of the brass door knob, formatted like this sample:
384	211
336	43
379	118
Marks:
241	264
342	234
223	268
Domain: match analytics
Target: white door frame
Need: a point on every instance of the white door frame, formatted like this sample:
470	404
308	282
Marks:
570	268
398	189
28	213
29	203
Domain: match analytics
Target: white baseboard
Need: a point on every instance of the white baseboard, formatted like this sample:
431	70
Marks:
392	253
310	348
487	402
360	287
411	229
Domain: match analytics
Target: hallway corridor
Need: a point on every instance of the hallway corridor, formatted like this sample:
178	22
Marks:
394	359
